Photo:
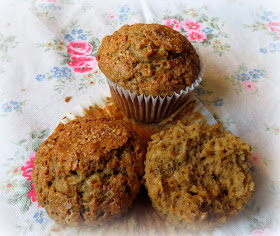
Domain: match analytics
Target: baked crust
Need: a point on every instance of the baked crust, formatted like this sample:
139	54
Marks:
149	59
89	170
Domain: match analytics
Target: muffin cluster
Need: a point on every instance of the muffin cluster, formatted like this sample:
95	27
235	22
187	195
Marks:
90	170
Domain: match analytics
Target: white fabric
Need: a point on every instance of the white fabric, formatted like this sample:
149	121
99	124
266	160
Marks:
238	40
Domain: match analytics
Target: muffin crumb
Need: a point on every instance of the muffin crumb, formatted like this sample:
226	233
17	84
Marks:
67	99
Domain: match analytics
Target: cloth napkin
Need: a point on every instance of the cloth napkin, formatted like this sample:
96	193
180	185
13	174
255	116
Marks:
48	52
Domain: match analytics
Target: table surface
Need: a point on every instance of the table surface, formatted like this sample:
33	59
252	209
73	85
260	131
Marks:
41	65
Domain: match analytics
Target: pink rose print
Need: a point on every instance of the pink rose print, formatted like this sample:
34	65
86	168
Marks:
189	25
32	194
112	16
28	166
256	158
276	130
274	26
173	23
259	232
79	47
196	36
84	67
249	85
82	64
75	59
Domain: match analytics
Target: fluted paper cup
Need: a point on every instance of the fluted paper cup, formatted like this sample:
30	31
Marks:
149	109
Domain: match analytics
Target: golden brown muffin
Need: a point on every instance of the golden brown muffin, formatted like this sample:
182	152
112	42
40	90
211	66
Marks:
89	170
149	59
197	176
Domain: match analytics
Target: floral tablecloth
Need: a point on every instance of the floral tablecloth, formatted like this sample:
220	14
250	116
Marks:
48	52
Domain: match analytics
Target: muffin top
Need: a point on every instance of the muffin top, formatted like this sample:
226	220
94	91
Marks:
198	175
149	59
89	170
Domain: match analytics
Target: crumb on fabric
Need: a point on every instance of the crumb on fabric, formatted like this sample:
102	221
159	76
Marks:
67	99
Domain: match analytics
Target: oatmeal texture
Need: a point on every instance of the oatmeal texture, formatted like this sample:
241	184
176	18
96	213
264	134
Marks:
197	176
149	59
89	170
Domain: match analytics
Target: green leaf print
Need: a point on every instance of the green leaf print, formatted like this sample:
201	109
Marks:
25	204
15	198
33	134
206	42
74	24
36	145
95	44
214	25
10	39
211	36
44	133
65	61
22	142
179	17
275	188
21	197
204	17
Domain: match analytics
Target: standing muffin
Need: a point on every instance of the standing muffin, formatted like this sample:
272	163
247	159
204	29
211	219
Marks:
150	68
89	170
198	176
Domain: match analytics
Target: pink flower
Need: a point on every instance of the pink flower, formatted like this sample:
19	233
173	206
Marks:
112	16
276	130
196	36
32	194
75	60
84	67
82	64
259	232
249	85
28	166
173	23
189	25
255	157
79	47
274	26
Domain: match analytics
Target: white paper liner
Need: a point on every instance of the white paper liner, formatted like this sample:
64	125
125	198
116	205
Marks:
100	100
147	108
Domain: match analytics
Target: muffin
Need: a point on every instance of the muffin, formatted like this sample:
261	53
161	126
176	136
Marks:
89	170
150	68
198	176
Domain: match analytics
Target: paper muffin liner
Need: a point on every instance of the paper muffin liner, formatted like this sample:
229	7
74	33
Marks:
149	109
101	99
